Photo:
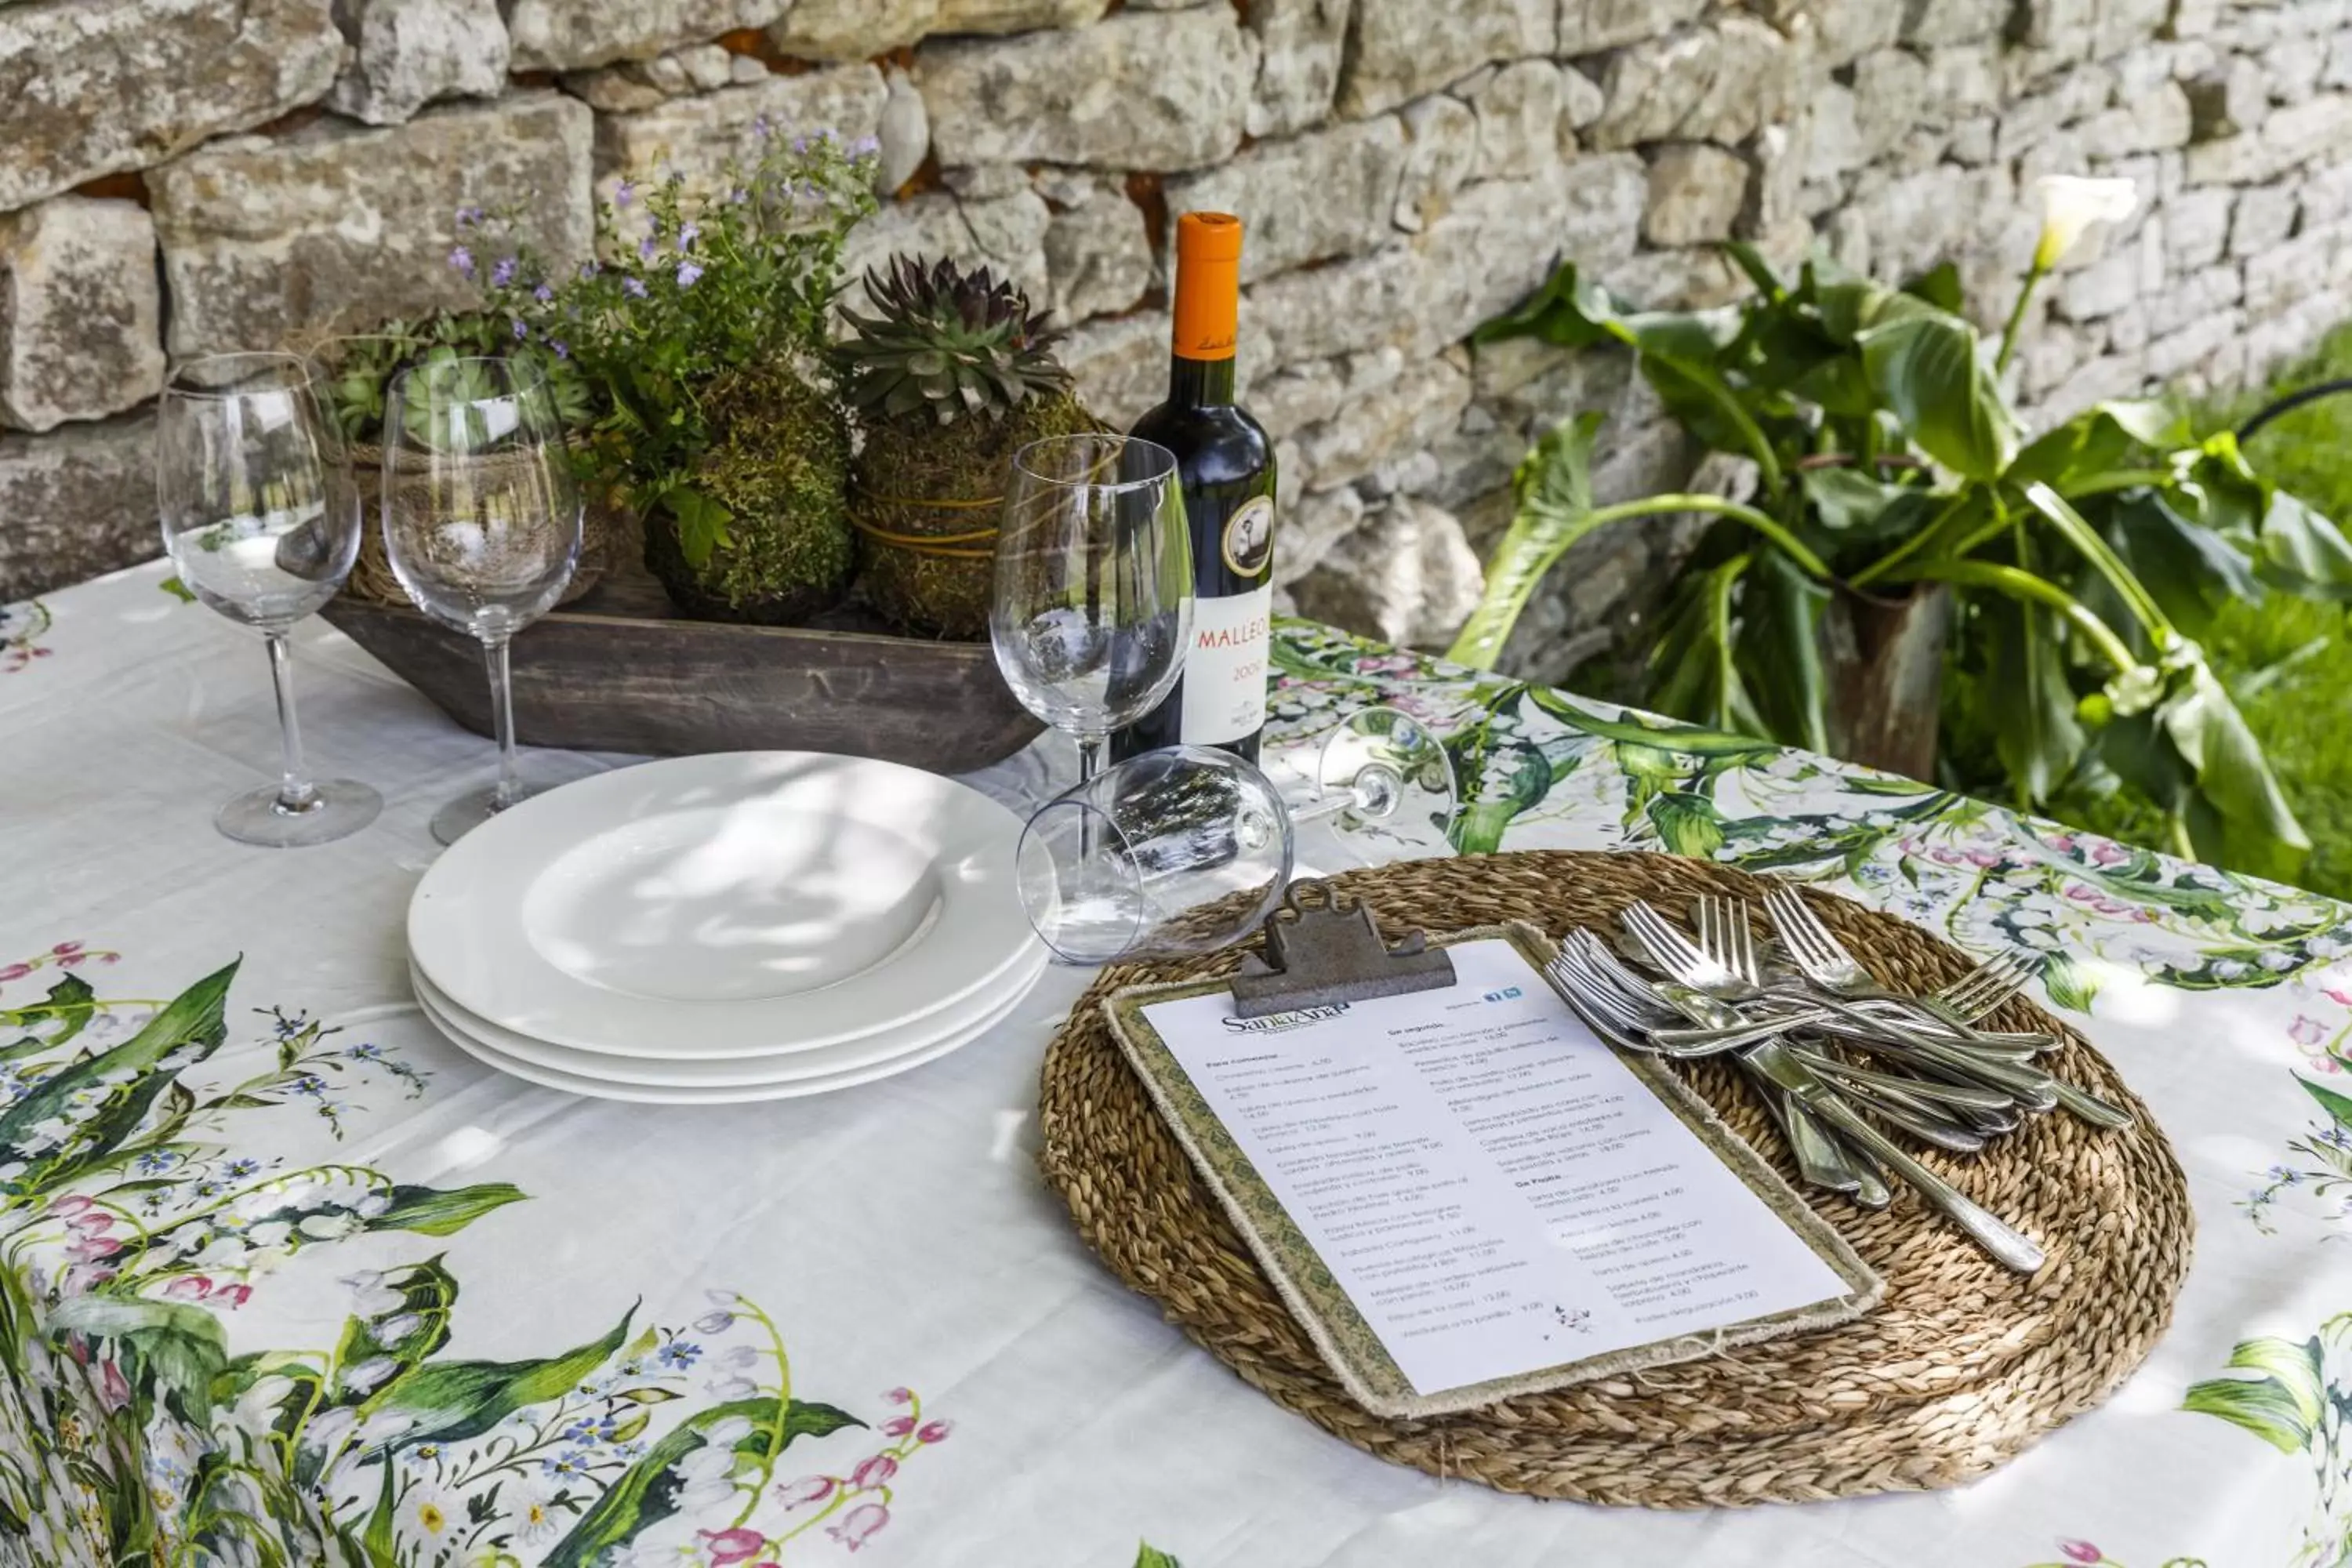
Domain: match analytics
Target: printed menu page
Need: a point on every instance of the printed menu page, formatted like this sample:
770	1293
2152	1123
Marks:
1497	1191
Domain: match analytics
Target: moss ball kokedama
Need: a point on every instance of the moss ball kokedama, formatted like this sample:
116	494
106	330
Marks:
781	466
951	378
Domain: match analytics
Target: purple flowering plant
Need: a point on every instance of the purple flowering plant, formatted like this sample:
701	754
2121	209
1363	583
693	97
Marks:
692	285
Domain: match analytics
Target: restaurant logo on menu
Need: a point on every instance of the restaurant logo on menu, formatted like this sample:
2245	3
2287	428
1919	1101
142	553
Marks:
1275	1023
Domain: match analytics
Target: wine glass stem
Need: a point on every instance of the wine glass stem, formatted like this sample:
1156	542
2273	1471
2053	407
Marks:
294	790
494	656
1091	756
1321	806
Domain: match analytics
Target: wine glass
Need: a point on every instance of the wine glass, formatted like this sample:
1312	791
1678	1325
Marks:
1183	849
1093	599
481	524
1381	763
262	521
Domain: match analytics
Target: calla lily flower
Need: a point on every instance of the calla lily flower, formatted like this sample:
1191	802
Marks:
2071	205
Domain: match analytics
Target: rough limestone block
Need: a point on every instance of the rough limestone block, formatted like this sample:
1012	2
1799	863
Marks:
2149	122
1842	30
410	53
1005	233
614	90
1890	96
1407	576
571	35
1696	194
1832	134
2290	137
1310	198
1928	23
336	228
700	135
1720	83
1121	366
1589	26
1519	121
852	30
1298	395
1318	312
1307	529
2264	218
1160	91
1775	199
2197	228
75	503
1300	43
1582	101
1441	154
904	130
2285	273
2191	299
1408	411
2099	290
92	87
1098	247
81	331
1001	16
1399	49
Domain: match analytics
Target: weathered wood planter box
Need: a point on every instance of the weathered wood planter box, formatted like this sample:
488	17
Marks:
617	670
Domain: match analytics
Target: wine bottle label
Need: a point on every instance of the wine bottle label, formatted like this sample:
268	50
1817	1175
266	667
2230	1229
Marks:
1225	673
1249	536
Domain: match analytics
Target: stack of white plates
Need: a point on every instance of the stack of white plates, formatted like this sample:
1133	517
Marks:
707	930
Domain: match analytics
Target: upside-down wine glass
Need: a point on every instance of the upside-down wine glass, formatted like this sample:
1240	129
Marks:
1093	597
1381	763
1182	849
261	518
481	524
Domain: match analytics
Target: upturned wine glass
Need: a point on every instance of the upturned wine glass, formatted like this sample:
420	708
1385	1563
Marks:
1182	849
262	519
1381	764
1093	601
481	524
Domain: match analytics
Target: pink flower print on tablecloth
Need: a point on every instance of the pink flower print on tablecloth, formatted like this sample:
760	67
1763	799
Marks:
858	1523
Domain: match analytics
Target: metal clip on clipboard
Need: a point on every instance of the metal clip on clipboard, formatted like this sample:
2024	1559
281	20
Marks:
1323	948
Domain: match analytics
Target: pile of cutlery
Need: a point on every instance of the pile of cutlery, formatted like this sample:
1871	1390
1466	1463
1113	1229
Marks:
1840	1061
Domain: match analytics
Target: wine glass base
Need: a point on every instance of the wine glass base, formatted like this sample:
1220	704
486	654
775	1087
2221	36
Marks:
338	808
470	811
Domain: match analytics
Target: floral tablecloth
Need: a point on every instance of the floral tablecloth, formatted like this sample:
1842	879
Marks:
285	1279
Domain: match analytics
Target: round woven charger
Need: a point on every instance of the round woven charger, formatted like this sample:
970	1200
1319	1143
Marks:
1961	1367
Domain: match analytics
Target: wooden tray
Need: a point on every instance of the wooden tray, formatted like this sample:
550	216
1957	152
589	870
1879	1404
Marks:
618	671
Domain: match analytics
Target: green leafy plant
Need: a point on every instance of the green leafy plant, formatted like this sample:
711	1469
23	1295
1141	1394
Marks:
694	286
2086	562
362	368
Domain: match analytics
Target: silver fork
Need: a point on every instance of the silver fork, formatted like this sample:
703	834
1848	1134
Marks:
1775	1060
1724	936
1820	1157
1625	1010
1824	959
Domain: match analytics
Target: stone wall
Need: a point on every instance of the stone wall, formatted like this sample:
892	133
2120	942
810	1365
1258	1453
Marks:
180	176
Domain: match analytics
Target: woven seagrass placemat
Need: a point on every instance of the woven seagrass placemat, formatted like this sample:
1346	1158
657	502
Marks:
1961	1367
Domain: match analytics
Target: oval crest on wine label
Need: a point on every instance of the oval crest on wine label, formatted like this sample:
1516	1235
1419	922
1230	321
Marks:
1248	542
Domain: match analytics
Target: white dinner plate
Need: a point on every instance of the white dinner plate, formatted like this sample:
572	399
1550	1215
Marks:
738	904
656	1071
740	1094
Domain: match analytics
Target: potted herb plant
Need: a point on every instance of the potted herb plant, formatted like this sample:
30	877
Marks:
703	334
1902	528
951	376
359	372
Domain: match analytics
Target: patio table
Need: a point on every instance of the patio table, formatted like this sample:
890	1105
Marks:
294	1281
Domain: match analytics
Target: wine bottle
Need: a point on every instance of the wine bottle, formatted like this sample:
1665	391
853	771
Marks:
1225	463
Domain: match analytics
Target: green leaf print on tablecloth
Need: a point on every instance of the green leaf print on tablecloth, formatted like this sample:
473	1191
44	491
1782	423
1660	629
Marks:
2298	1399
1984	877
129	1230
